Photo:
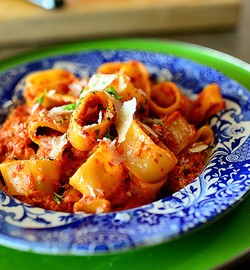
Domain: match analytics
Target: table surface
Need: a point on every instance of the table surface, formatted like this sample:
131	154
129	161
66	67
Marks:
182	253
89	18
234	40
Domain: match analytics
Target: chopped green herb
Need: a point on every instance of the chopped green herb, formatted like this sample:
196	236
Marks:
111	91
40	99
107	135
78	102
70	107
59	122
58	198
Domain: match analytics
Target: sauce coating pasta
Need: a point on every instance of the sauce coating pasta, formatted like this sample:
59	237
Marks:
113	141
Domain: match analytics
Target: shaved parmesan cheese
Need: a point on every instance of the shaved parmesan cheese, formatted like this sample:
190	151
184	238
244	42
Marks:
150	130
58	144
34	108
122	84
142	92
45	142
108	141
91	190
60	110
125	118
99	210
76	87
99	82
198	148
109	114
51	92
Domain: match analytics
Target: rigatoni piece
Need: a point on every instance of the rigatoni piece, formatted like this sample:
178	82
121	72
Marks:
164	99
99	176
41	81
144	159
182	132
91	120
23	177
208	103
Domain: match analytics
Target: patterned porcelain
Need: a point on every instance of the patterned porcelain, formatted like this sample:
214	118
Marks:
223	183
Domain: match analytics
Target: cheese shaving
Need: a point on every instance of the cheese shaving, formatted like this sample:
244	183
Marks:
58	144
150	130
122	83
60	110
99	82
125	118
198	148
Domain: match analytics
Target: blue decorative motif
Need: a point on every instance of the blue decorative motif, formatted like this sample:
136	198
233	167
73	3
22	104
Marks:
224	181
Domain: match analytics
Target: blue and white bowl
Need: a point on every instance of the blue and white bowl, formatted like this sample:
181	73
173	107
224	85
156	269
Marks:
222	184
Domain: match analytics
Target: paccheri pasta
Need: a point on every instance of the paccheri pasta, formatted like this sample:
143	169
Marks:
114	141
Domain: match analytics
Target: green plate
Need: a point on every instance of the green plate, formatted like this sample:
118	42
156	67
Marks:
213	245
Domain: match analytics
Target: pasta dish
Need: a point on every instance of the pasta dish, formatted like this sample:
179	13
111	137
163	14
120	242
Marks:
110	142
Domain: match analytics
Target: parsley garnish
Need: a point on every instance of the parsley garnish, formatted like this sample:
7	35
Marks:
58	198
40	99
70	107
111	91
79	101
107	135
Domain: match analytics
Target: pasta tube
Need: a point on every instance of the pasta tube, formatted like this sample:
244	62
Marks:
52	99
147	192
48	124
91	120
165	98
110	67
129	92
23	177
146	160
203	138
182	132
208	103
135	70
138	75
95	206
53	79
204	135
100	175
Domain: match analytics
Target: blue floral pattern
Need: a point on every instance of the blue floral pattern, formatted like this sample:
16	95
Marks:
223	182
